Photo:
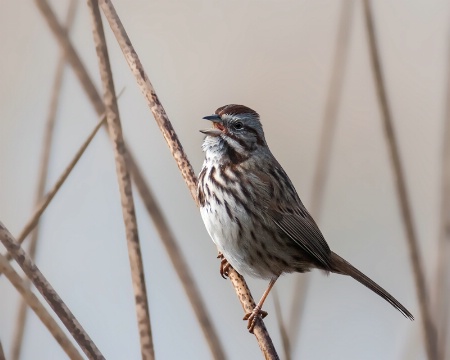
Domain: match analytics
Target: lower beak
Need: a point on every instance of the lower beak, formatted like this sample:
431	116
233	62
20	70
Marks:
216	131
211	132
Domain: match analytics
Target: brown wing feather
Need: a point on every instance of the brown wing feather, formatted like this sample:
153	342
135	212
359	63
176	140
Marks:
286	210
299	226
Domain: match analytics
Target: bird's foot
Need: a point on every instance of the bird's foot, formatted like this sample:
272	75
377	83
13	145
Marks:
251	317
224	265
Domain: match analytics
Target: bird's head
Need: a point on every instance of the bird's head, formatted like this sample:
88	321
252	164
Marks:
236	127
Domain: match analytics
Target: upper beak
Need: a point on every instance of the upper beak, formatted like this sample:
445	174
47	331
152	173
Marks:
217	130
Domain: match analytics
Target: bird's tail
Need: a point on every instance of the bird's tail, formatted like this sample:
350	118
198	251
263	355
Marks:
340	266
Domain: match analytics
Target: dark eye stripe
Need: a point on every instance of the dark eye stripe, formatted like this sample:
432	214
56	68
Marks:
259	140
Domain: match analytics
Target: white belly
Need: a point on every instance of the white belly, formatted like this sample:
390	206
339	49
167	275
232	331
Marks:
228	223
230	241
222	230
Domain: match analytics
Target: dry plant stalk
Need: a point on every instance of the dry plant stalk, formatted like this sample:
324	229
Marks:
23	287
30	225
248	304
71	55
40	282
2	354
332	107
152	99
323	160
167	238
47	143
125	186
402	193
281	326
179	263
443	265
183	163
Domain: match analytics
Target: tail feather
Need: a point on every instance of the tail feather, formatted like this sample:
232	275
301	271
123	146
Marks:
340	266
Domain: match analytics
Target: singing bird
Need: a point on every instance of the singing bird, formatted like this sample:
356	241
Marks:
253	213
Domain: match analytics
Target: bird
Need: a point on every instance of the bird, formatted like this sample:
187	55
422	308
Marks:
253	213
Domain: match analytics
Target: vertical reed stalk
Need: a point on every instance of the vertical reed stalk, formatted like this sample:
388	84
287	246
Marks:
2	354
442	290
180	157
281	325
125	186
42	178
174	252
400	183
329	124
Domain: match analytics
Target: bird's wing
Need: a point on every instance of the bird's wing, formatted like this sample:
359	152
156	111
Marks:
299	226
286	210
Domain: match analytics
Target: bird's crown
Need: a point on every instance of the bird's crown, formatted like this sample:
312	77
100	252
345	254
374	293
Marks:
233	110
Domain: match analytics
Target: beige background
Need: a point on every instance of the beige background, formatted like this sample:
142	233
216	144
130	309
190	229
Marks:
276	57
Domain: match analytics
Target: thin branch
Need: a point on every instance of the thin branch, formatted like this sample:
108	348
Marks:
402	193
443	265
22	286
49	294
152	99
281	327
248	304
47	143
183	163
125	186
71	55
175	254
332	108
298	306
51	194
2	353
179	263
323	160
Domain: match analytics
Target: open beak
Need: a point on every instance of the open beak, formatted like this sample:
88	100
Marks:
217	126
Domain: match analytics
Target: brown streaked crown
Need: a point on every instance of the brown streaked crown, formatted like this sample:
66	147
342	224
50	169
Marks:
234	109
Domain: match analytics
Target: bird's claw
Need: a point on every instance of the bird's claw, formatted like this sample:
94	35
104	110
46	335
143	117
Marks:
252	316
224	265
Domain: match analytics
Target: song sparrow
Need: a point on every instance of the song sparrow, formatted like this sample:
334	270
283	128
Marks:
253	213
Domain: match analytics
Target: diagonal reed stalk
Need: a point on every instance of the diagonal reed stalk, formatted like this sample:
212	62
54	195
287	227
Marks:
180	157
47	143
40	282
23	287
323	160
172	248
248	304
125	186
428	326
53	191
152	98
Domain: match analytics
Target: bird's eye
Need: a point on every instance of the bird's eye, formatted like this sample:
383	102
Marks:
238	125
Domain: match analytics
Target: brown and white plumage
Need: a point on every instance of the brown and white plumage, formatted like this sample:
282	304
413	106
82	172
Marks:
252	211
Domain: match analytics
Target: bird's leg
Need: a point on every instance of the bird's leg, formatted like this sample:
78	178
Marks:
251	317
224	265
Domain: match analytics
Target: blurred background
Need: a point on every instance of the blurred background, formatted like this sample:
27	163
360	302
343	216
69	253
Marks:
276	57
